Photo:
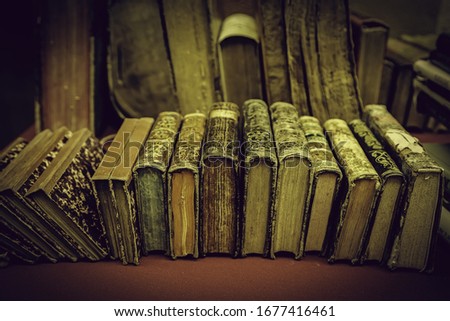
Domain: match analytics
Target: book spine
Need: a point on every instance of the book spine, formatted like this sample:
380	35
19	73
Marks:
11	152
258	148
444	225
187	156
151	170
220	170
356	166
322	160
413	160
273	44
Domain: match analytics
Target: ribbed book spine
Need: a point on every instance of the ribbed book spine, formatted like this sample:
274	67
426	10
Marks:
219	227
259	178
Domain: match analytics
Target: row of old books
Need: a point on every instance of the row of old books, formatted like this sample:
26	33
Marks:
266	183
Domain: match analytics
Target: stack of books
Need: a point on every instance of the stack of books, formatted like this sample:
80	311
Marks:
190	186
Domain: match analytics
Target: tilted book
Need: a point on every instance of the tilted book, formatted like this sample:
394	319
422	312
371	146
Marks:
115	189
150	175
392	179
183	187
220	203
259	178
325	181
359	193
65	192
20	213
292	195
416	232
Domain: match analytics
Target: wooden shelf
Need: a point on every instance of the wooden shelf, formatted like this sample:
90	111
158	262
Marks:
224	278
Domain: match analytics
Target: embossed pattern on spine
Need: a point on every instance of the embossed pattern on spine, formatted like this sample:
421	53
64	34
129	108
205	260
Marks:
12	153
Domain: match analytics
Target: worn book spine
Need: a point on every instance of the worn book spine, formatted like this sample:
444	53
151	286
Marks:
101	179
414	162
259	150
288	232
151	182
323	162
11	152
220	203
273	45
183	226
386	169
188	36
356	167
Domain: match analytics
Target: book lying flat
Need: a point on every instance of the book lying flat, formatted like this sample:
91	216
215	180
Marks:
415	234
150	180
259	178
183	187
292	193
359	193
388	203
325	181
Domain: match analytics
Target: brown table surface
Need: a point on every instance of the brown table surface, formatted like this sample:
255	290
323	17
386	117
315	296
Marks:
224	278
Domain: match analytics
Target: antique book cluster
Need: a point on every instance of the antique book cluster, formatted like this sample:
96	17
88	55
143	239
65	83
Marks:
255	180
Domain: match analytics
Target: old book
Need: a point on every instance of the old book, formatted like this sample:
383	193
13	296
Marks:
319	44
139	71
65	192
325	181
292	195
359	193
273	47
67	66
259	178
183	187
114	185
387	83
150	179
403	55
189	42
432	72
219	190
415	235
369	38
11	151
239	59
20	213
388	202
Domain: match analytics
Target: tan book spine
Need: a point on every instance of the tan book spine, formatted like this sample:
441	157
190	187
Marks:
323	162
292	196
186	158
358	170
258	150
